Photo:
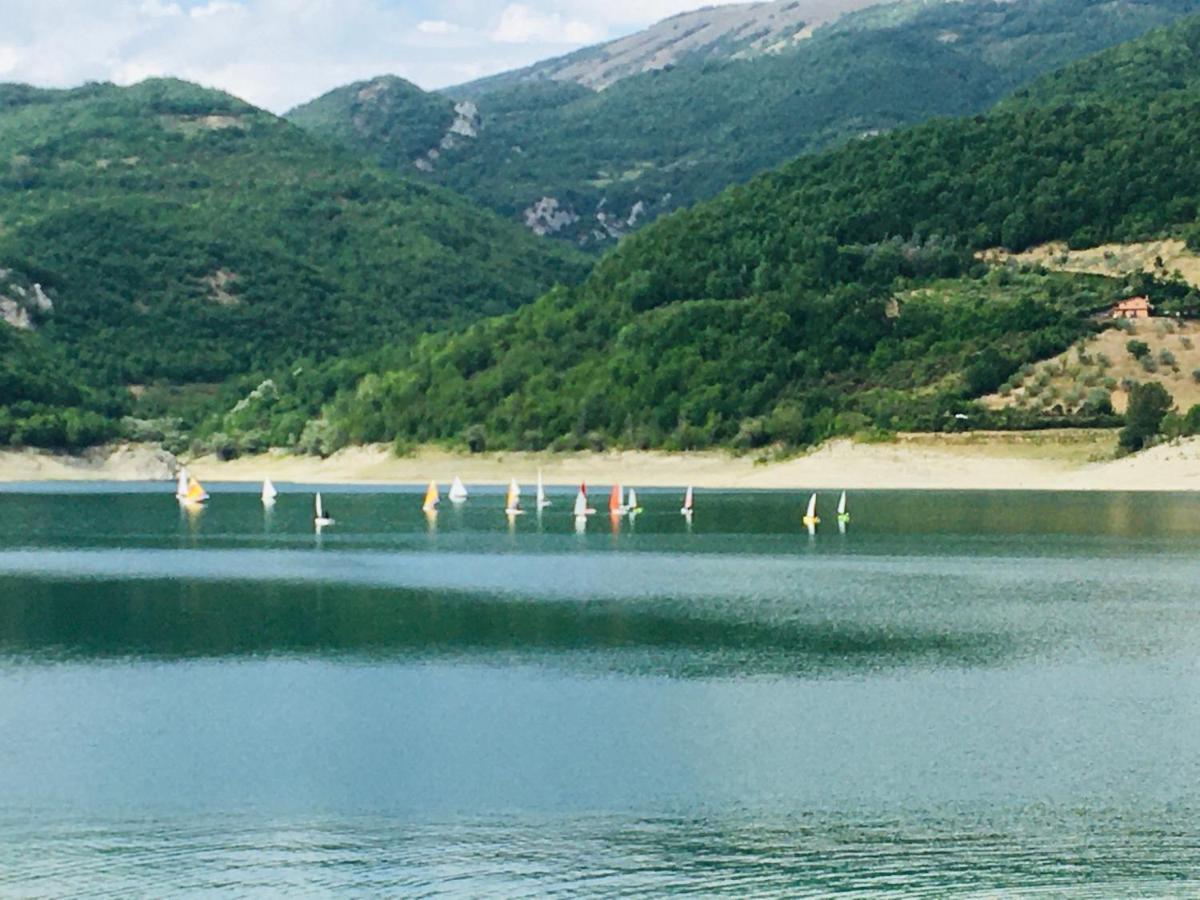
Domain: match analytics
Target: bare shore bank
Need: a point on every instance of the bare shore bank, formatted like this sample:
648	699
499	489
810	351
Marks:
1047	460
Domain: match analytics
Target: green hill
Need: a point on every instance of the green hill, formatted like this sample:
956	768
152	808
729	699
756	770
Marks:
592	165
179	235
389	118
185	235
836	294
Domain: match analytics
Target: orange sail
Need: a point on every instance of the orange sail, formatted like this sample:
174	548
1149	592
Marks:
614	501
431	498
195	492
688	502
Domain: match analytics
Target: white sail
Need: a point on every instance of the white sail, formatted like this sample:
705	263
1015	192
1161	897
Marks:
319	509
581	503
542	502
842	504
512	502
687	502
458	491
181	486
268	492
631	503
812	507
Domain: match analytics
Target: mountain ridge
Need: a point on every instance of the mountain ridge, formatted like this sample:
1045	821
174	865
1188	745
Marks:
733	31
590	167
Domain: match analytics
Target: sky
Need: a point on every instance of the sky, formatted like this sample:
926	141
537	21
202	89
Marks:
277	53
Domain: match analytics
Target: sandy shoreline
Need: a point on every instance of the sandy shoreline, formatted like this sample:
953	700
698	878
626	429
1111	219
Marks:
1054	460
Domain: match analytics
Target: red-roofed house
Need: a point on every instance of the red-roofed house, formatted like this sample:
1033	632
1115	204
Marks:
1133	308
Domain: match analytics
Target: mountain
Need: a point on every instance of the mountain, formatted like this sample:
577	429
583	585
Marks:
178	233
543	148
841	293
163	236
735	31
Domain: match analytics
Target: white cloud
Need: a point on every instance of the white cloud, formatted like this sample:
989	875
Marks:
277	53
10	59
436	26
214	8
520	24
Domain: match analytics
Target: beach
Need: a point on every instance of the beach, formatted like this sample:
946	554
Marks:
1067	459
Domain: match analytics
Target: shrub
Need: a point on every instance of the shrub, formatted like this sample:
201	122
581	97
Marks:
1139	350
475	437
751	434
1098	403
1148	405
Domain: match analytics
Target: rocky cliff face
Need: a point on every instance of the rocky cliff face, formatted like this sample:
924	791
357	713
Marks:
736	31
22	304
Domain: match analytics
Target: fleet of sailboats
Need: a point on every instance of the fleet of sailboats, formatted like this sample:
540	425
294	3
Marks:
191	494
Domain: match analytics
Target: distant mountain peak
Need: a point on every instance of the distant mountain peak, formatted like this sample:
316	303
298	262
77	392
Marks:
733	31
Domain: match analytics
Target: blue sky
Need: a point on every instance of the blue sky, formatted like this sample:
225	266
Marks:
277	53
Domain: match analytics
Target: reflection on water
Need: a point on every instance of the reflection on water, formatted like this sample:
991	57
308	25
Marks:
961	692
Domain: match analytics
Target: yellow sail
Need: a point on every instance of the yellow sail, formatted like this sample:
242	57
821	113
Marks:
431	498
195	492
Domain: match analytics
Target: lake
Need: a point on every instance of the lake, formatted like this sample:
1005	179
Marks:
968	693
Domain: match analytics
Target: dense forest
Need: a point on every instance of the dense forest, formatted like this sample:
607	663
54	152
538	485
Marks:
179	237
840	293
662	140
259	289
184	235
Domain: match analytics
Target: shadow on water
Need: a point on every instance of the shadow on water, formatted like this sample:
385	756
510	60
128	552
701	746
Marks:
161	619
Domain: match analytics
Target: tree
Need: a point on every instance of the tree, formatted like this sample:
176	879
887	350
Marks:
1137	349
1148	404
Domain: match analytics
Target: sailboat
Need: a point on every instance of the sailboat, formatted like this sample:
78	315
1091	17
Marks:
616	505
688	503
432	499
631	503
269	493
512	502
581	503
811	519
542	502
842	516
458	491
188	490
321	517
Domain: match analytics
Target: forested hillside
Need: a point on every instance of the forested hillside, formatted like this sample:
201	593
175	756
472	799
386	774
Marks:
590	166
836	294
181	234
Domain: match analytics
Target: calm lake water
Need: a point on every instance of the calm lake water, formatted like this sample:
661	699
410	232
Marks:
966	692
